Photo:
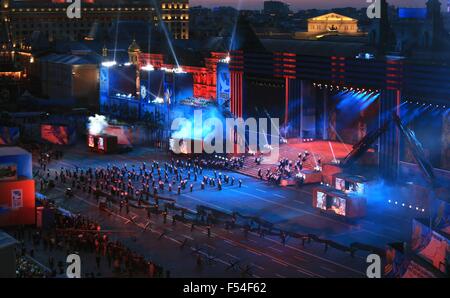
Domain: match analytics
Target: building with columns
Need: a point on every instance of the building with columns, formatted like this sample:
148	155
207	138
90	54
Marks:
332	22
49	17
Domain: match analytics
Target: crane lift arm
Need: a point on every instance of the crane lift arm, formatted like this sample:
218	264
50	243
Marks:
416	147
362	146
417	150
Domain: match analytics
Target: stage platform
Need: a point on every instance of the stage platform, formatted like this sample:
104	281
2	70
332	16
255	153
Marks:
318	149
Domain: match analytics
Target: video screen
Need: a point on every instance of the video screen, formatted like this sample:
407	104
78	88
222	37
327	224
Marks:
321	200
91	141
436	251
55	134
430	245
184	149
152	84
8	172
179	146
122	80
101	143
340	184
338	205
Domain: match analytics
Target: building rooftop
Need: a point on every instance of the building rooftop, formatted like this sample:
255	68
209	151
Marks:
97	3
315	47
72	59
9	151
332	17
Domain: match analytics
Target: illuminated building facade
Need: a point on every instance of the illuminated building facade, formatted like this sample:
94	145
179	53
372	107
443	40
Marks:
332	22
175	14
10	74
49	17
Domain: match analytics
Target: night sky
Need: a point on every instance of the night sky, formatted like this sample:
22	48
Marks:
302	4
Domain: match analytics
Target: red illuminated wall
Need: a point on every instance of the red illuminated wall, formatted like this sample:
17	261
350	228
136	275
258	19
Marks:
157	60
205	78
23	215
236	82
285	67
236	93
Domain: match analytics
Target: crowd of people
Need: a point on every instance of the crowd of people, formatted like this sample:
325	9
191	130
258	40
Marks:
125	184
26	268
286	168
142	185
220	162
80	235
43	153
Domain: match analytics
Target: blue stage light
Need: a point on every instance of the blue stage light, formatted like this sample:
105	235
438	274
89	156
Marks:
109	63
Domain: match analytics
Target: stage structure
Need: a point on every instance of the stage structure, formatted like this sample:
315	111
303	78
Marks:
337	202
223	84
130	91
205	78
301	86
103	143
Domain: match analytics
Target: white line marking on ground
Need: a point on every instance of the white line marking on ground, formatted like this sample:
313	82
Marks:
328	269
229	242
253	252
188	237
281	263
300	259
275	249
233	256
257	266
210	246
